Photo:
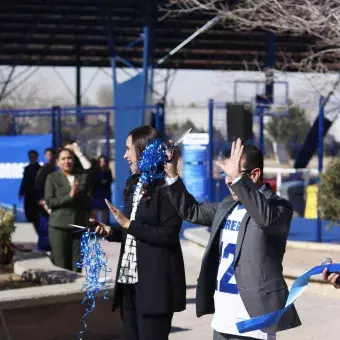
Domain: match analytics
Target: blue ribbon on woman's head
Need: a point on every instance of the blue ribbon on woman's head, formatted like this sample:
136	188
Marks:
153	159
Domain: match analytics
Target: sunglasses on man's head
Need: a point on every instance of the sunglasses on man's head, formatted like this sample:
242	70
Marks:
246	171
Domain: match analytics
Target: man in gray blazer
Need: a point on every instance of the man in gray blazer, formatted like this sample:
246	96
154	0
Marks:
241	272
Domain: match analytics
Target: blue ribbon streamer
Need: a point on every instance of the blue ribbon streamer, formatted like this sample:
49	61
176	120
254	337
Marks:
296	290
94	262
152	161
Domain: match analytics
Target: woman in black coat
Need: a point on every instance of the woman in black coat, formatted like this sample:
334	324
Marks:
150	281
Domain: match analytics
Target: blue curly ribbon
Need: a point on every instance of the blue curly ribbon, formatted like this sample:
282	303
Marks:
94	262
153	159
296	290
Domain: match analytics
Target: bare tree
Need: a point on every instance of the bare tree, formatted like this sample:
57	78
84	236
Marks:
317	19
105	95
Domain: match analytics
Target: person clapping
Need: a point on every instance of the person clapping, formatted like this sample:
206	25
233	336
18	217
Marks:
68	195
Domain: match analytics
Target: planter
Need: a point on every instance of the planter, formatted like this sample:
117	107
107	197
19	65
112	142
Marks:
6	253
55	312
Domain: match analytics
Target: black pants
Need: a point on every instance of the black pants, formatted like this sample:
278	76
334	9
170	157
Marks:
65	247
142	327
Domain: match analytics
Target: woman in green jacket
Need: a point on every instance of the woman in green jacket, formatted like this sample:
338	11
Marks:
67	195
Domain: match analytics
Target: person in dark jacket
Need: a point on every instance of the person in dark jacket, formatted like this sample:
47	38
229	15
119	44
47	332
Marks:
150	281
68	195
102	191
44	171
27	189
44	211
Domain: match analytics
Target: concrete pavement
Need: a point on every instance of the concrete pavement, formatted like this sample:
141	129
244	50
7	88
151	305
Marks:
319	314
318	307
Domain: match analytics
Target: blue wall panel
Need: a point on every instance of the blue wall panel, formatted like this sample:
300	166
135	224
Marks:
126	94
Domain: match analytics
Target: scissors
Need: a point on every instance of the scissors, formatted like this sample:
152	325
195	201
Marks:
172	147
179	140
90	226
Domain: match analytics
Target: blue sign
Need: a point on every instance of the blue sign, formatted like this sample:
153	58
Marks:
13	159
195	162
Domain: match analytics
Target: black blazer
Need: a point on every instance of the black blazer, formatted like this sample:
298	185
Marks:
27	187
161	286
41	177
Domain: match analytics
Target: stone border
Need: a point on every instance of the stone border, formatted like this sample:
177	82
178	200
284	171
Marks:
38	267
59	285
37	296
329	247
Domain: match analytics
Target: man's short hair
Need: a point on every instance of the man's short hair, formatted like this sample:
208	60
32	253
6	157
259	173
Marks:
33	152
253	156
51	150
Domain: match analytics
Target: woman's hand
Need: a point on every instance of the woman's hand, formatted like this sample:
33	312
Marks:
101	228
118	215
43	204
172	163
74	188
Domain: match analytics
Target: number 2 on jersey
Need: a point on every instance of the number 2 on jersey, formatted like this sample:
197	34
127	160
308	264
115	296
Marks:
224	285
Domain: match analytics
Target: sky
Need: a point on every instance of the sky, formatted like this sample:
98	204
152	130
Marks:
188	87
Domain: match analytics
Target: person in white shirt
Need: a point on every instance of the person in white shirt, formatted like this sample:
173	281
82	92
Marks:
241	273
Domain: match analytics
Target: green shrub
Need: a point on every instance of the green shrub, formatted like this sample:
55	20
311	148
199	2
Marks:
329	193
6	225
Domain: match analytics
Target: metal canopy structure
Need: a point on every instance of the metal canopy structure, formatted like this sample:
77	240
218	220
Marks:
76	32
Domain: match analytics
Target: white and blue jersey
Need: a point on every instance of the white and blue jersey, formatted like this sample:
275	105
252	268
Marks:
229	308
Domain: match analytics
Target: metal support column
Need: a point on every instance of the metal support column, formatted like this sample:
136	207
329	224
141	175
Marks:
210	174
59	132
53	127
148	50
320	159
107	135
269	87
260	113
270	65
78	86
158	118
13	129
152	23
145	61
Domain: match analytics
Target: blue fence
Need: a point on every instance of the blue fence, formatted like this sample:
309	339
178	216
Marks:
13	159
78	123
307	230
91	127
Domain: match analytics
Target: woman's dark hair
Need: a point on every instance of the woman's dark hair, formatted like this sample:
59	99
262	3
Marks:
67	142
140	137
106	161
52	151
62	149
